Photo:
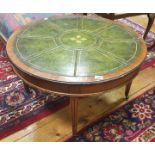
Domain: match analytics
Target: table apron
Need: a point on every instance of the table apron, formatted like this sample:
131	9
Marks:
74	89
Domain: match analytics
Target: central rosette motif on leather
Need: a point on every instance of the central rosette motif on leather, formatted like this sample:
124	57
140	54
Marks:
77	47
77	39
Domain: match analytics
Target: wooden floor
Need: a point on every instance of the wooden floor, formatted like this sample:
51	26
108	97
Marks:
143	21
57	127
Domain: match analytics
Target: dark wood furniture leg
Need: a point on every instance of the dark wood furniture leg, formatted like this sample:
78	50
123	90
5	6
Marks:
114	16
2	40
74	114
127	89
26	87
107	15
151	18
153	46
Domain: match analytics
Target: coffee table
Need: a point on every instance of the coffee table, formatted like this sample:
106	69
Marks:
76	56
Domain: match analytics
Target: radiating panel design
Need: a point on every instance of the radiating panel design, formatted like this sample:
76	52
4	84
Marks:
95	63
77	46
58	60
44	29
32	47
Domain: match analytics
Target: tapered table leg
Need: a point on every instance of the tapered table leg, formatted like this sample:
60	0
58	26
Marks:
26	87
74	113
127	89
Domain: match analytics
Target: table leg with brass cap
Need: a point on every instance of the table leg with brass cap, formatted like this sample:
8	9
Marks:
74	113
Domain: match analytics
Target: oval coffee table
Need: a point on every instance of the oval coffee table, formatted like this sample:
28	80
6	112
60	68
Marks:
76	56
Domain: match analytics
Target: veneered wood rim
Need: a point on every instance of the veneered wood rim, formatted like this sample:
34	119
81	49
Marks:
74	80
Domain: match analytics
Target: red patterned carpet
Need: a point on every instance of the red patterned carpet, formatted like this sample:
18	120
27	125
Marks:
135	121
19	109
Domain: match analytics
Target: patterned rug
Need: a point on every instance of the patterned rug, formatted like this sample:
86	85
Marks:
135	121
19	109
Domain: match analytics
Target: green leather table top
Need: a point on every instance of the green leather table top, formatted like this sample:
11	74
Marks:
77	46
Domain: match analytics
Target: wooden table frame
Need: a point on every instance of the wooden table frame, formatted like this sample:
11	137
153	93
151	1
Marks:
74	108
84	87
74	99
